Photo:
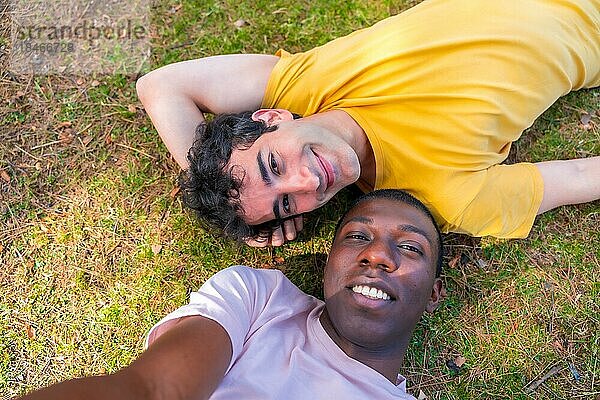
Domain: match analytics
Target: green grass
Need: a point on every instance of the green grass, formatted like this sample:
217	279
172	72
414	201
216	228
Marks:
94	250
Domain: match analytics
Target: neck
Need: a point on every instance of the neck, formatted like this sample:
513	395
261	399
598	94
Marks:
343	125
385	358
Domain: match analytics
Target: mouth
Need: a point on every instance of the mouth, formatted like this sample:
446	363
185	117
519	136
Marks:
371	293
327	170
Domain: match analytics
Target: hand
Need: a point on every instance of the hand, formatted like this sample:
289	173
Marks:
287	231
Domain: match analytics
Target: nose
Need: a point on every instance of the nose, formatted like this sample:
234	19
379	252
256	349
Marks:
301	181
379	254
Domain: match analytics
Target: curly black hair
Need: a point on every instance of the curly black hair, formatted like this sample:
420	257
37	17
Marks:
209	186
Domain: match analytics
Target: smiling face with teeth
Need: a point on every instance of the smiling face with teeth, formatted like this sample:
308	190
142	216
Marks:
380	276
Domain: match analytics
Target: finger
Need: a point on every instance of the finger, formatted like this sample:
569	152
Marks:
299	223
277	237
289	229
257	242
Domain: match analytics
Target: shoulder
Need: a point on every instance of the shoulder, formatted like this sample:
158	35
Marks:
248	275
250	282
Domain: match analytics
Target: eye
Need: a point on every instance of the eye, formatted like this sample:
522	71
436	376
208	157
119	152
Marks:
358	236
273	164
410	248
285	202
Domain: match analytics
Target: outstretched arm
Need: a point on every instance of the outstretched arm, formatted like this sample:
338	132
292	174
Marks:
569	182
186	360
176	96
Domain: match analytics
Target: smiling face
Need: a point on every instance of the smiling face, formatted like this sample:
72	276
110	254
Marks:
380	274
293	170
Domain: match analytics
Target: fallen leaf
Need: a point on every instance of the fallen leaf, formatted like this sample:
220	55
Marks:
131	108
108	139
156	248
514	326
240	23
4	175
80	81
452	263
95	83
460	361
30	331
175	191
585	119
1	248
66	136
64	124
86	140
174	9
558	345
279	260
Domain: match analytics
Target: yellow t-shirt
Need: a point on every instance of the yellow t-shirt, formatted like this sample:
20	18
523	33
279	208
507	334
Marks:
442	90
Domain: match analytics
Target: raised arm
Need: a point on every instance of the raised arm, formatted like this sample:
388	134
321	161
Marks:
187	359
569	182
176	96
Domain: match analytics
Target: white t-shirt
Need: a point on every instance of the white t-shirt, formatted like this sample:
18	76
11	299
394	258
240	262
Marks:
280	349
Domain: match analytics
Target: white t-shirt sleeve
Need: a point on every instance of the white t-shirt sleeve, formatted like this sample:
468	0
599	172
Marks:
235	298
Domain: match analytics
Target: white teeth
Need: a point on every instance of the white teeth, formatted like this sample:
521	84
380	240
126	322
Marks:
370	292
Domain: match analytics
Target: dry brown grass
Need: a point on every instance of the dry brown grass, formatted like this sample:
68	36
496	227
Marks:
94	249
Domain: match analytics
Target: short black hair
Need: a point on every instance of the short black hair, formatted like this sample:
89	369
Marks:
403	197
209	186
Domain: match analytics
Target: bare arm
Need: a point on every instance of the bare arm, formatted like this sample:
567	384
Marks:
176	96
569	182
186	360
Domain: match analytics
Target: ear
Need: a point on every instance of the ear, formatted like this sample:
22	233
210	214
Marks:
272	116
438	293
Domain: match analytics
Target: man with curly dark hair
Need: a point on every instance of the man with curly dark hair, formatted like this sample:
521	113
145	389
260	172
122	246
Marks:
429	101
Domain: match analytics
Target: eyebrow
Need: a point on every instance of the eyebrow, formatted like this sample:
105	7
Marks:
276	209
417	230
402	227
364	220
264	174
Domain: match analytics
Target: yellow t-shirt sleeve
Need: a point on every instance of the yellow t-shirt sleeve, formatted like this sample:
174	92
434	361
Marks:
506	204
